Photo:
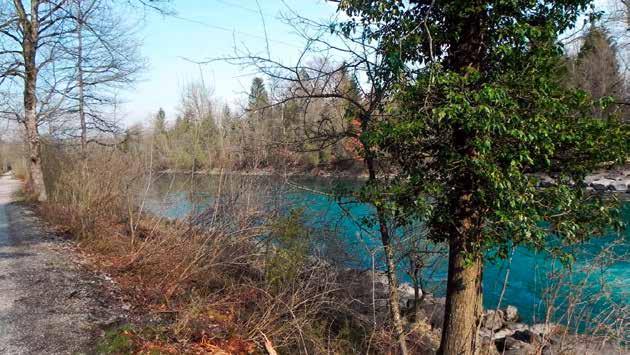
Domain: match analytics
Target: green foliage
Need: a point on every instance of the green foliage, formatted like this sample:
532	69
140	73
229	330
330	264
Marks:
485	122
116	341
258	97
289	242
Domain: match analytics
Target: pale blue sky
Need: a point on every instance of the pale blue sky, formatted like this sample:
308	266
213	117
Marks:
204	29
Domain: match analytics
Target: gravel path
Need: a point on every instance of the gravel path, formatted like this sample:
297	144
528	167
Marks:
49	303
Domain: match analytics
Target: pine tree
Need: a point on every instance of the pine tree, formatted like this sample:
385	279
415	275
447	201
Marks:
596	68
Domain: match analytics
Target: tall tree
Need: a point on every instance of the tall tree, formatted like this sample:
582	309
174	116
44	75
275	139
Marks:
479	111
259	125
102	58
30	33
160	139
159	123
258	97
329	106
596	69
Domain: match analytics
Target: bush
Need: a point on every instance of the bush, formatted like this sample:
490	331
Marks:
229	278
89	195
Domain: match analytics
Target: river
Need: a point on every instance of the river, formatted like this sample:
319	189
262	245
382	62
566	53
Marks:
601	282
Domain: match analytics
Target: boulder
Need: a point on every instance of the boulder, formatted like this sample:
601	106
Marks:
590	178
434	310
493	320
602	184
487	347
511	314
621	185
545	181
528	336
509	345
405	290
502	333
406	295
519	326
543	329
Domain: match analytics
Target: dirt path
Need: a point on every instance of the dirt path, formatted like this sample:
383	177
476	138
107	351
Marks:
49	304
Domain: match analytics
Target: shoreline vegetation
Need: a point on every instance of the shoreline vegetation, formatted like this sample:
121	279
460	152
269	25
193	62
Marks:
615	180
222	281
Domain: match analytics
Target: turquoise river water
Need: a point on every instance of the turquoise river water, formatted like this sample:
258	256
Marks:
601	281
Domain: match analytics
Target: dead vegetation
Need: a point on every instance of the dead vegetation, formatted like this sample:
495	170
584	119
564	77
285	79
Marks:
238	277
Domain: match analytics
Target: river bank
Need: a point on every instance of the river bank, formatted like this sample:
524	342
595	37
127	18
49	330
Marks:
501	330
181	304
615	180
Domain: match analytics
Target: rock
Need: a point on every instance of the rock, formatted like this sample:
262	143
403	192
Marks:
509	345
434	310
621	186
502	333
487	347
519	326
546	181
484	333
582	344
527	336
493	320
406	295
590	178
602	184
543	329
406	291
511	314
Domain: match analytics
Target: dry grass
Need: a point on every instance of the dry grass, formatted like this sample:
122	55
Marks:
218	281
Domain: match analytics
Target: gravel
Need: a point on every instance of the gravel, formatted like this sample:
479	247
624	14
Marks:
49	302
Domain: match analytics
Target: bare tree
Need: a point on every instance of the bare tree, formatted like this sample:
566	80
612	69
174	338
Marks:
316	82
30	34
102	57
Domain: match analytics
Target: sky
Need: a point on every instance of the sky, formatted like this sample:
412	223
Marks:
200	30
205	29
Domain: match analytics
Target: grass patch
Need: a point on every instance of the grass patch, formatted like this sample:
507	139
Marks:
117	341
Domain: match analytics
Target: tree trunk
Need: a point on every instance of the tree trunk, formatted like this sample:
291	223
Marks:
418	293
80	83
465	261
392	280
36	179
394	299
29	50
463	302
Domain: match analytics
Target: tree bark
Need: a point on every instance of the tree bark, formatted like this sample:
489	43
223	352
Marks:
463	302
30	26
465	261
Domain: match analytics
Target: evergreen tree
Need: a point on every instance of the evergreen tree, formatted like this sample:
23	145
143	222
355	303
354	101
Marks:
596	68
160	140
258	97
159	123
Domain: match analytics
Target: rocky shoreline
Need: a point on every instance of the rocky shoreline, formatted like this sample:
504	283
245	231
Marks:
617	181
502	331
602	181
